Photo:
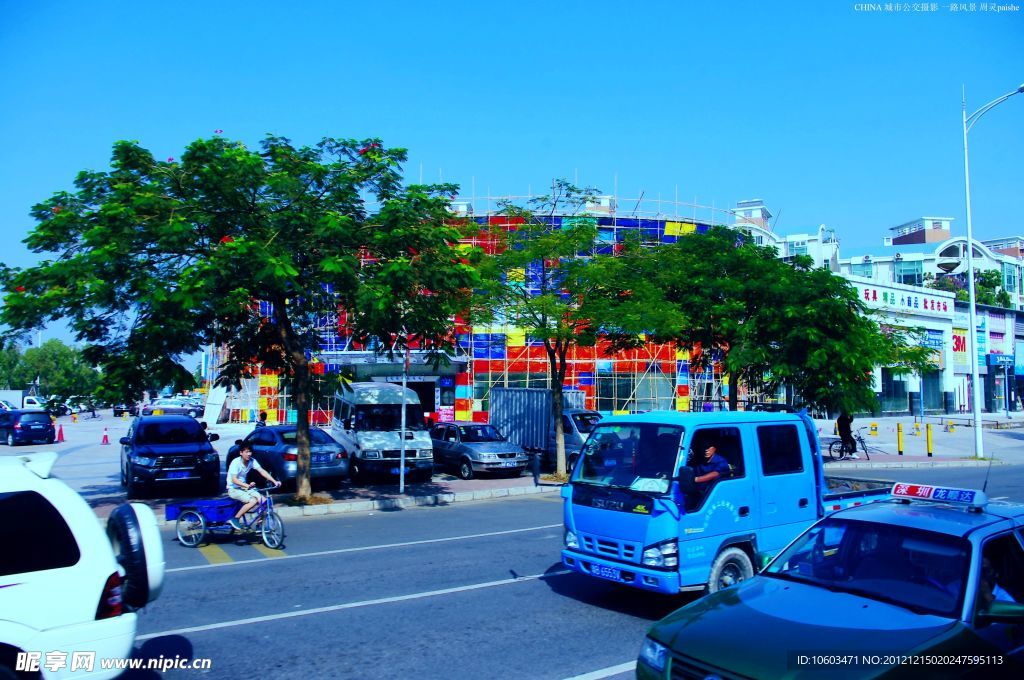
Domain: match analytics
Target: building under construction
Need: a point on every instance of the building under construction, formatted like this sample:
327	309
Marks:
656	376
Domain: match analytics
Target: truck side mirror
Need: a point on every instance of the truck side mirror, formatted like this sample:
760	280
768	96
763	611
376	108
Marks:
347	423
687	480
213	436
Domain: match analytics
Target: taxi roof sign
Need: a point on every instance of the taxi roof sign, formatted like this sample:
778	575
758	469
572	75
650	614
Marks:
974	498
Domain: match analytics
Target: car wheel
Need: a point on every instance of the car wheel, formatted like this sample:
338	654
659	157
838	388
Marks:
135	538
192	413
134	489
465	469
10	439
732	566
124	480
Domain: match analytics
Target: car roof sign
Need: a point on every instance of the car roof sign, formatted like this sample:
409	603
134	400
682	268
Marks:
973	498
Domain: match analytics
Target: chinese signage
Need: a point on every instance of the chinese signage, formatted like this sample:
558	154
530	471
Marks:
894	300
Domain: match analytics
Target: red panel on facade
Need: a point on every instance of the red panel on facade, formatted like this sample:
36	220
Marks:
462	378
682	390
463	404
480	416
518	367
667	367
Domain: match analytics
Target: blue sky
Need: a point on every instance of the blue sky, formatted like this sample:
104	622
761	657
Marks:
830	112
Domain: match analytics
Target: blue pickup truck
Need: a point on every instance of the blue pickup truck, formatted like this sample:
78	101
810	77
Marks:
634	514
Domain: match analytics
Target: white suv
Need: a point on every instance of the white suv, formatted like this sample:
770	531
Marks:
65	585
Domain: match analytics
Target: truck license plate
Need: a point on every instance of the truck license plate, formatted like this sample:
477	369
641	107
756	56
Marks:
606	572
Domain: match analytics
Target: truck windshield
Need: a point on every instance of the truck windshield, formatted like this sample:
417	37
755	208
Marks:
479	433
387	417
585	422
641	456
922	571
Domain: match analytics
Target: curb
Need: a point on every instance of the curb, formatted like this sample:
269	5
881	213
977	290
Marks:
441	499
868	465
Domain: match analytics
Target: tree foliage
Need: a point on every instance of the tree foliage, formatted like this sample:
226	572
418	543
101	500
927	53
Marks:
252	249
988	287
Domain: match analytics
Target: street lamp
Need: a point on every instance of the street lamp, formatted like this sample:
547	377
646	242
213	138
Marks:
969	122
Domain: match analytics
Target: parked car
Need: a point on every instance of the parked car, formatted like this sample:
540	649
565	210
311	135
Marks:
122	408
24	426
62	586
276	449
172	407
470	448
935	575
166	452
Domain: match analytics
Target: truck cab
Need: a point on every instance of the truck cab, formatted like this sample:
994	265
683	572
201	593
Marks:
367	421
635	515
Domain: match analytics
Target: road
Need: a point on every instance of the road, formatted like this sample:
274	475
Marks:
473	590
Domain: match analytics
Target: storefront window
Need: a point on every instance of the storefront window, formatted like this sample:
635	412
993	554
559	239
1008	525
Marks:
931	390
894	391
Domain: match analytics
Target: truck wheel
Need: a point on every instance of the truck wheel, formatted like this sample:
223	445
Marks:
465	469
730	567
356	472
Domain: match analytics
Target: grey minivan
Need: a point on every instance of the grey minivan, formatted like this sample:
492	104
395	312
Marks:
476	447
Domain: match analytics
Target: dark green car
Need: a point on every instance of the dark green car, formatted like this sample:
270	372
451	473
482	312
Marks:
928	584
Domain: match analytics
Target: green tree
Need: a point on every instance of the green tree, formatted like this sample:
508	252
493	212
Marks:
10	356
536	279
988	287
60	370
152	260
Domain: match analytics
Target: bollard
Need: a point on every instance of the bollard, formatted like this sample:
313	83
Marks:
874	429
899	438
952	427
928	432
124	415
74	417
917	429
835	429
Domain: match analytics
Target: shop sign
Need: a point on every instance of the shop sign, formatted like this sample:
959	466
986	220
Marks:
903	301
1000	359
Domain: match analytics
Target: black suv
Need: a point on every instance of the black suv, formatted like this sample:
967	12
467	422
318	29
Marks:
26	427
166	451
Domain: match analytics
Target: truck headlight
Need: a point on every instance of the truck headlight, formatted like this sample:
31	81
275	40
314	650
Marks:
371	453
653	654
570	541
665	554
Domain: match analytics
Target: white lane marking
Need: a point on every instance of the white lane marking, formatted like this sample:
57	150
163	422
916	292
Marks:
382	546
351	605
606	672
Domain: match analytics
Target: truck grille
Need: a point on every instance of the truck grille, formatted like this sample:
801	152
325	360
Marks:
609	548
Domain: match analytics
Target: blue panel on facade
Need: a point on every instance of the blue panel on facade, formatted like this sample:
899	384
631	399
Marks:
604	365
702	228
668	239
604	250
586	378
605	221
650	234
606	235
462	340
628	222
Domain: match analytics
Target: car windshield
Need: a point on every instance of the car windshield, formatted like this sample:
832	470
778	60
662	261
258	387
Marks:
479	433
315	437
178	432
585	422
641	457
922	571
387	417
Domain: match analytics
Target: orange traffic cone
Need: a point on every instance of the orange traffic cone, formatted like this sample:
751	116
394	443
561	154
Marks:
60	434
106	439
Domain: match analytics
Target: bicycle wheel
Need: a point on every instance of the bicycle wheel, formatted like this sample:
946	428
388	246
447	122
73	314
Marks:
191	528
864	449
272	531
836	450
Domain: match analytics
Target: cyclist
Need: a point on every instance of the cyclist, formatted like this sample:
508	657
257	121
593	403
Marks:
240	489
844	425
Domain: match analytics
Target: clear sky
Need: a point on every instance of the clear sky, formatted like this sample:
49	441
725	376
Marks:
833	112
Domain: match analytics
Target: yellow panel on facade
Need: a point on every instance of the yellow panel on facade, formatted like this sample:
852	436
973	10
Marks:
687	228
463	415
272	416
672	228
268	380
682	403
621	413
262	403
516	275
515	338
682	355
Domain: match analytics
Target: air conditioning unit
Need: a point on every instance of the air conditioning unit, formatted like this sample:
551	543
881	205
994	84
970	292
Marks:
867	258
898	257
887	240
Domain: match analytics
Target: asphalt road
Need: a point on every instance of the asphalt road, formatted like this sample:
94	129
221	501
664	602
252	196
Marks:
999	481
472	590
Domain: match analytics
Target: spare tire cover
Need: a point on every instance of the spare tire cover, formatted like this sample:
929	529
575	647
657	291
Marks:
135	538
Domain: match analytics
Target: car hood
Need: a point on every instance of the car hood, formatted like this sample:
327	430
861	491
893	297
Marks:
755	629
493	447
195	448
369	439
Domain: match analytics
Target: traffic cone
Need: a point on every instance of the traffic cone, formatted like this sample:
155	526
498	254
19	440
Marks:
60	434
106	439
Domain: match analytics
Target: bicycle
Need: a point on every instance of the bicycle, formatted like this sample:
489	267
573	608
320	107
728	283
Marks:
196	520
838	450
90	415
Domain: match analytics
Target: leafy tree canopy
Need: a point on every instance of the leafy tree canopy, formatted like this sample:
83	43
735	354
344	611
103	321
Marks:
152	260
988	287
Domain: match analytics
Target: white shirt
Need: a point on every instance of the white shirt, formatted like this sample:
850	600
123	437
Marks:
239	469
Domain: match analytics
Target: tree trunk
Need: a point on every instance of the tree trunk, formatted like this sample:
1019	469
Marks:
557	405
300	380
734	390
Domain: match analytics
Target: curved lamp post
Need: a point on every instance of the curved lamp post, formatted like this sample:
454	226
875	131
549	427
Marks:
969	122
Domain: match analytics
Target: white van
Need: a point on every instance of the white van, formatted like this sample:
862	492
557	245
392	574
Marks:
367	421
